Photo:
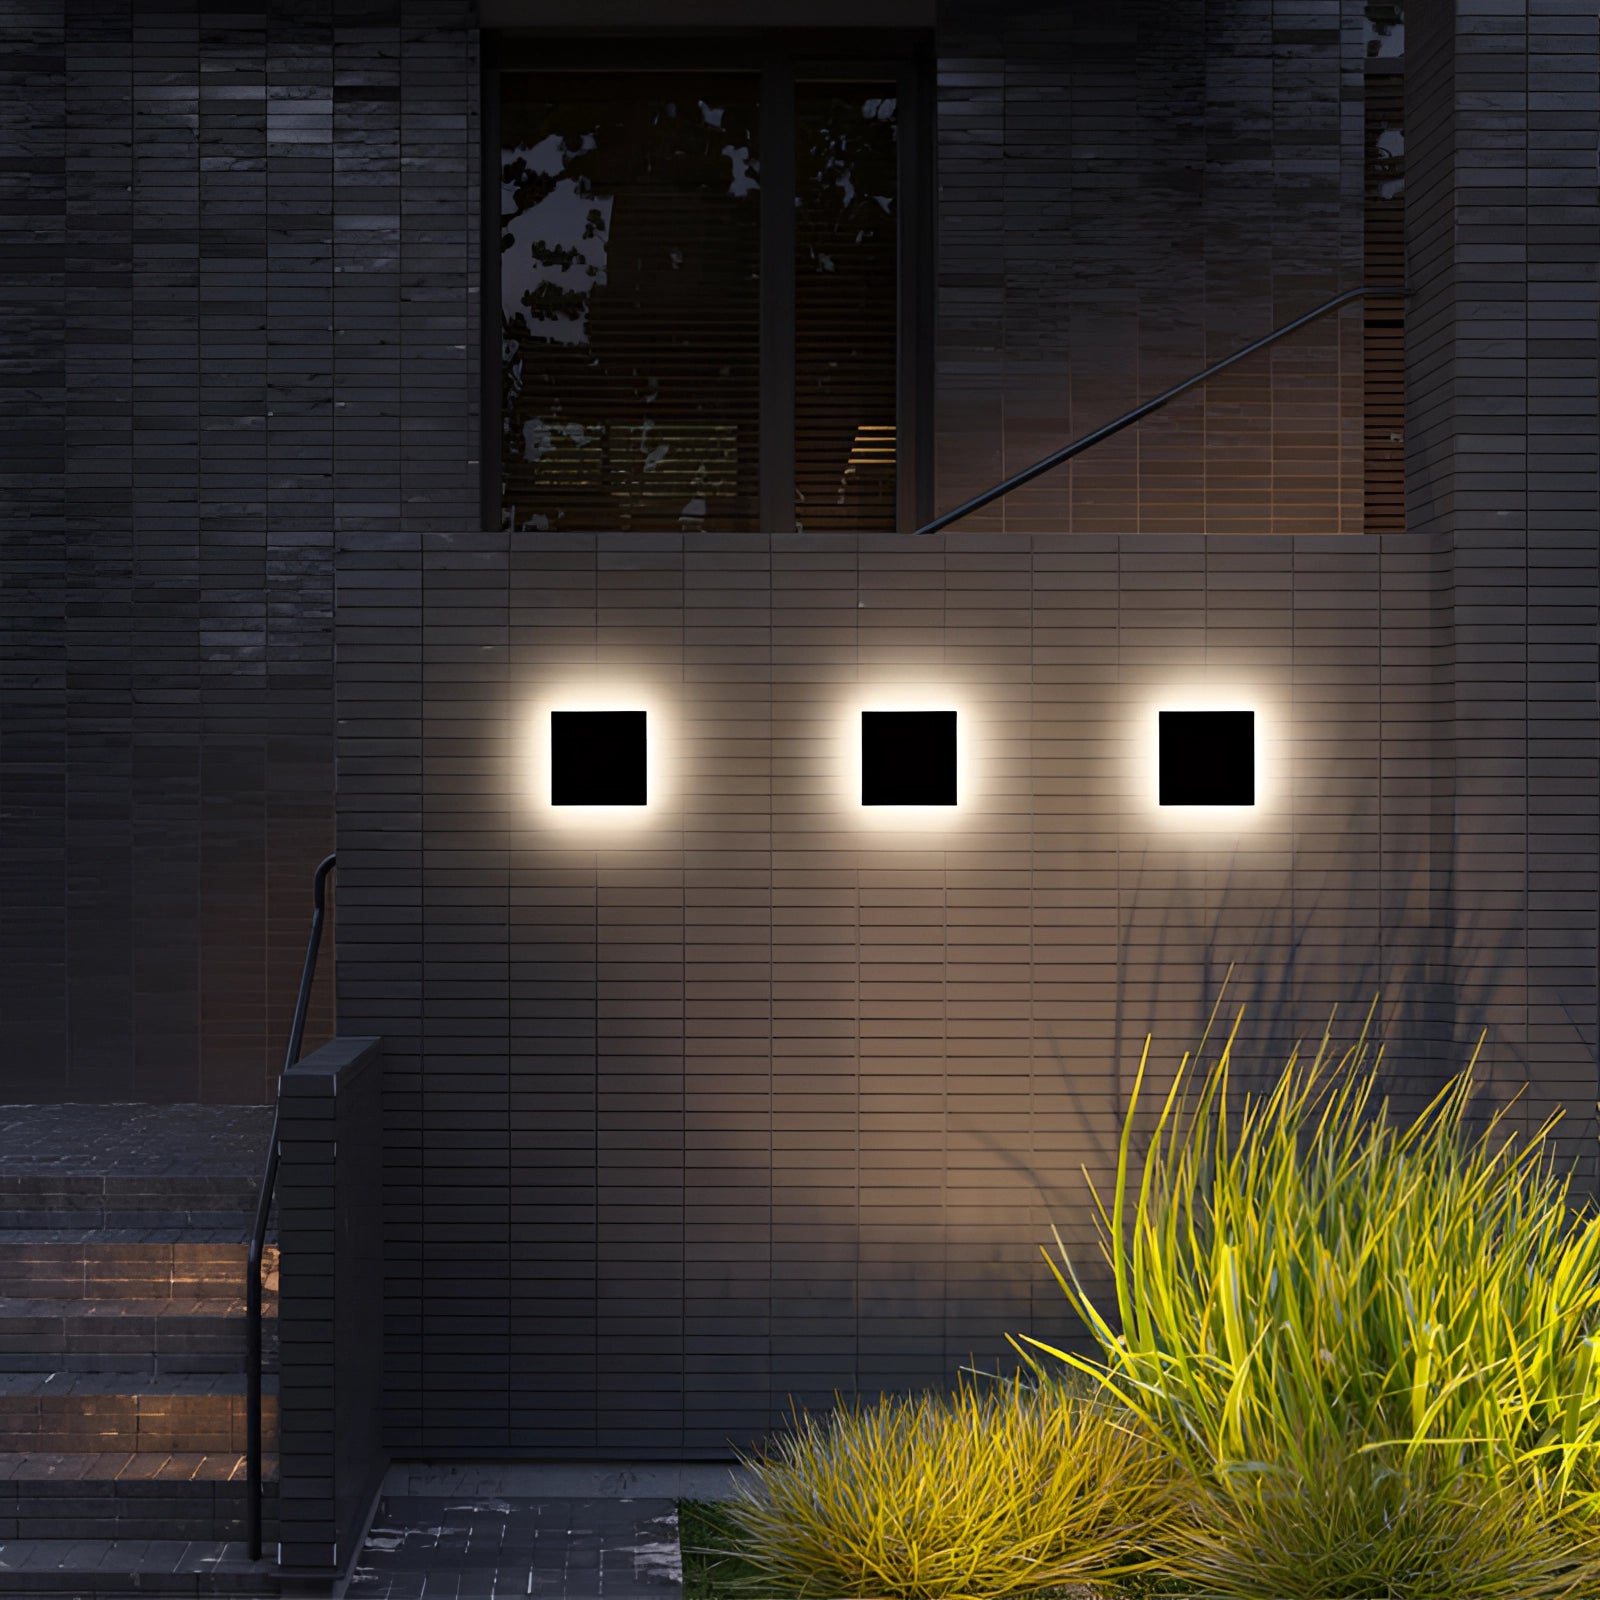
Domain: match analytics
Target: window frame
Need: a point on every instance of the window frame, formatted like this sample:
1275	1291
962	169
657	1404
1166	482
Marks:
782	58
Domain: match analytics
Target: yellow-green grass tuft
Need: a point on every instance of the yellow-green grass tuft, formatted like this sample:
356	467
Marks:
1000	1488
1369	1347
1359	1527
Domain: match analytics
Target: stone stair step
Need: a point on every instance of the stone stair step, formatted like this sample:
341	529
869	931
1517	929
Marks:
90	1200
81	1412
135	1140
148	1337
127	1264
124	1567
123	1246
120	1495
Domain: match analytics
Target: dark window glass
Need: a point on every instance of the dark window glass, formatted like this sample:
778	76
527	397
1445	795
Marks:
845	306
630	240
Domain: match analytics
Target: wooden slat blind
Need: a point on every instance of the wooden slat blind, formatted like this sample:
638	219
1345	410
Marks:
846	215
630	300
1383	367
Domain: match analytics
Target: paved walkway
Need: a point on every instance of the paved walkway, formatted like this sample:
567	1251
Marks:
553	1532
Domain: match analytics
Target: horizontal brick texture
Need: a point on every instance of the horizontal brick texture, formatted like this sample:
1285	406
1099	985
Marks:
241	261
755	1101
236	252
1503	429
758	1097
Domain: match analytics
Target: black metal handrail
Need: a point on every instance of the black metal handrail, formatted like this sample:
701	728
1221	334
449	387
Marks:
1128	418
258	1239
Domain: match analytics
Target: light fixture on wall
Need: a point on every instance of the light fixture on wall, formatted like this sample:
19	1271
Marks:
908	758
598	758
1206	758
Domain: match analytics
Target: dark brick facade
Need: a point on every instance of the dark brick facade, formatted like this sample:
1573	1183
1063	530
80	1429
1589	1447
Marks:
240	268
1504	454
244	342
755	1103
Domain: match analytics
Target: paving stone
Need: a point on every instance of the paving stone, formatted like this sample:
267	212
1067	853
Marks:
572	1548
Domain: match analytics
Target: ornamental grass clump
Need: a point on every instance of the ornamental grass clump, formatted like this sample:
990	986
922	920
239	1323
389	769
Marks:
1001	1488
1352	1525
1369	1347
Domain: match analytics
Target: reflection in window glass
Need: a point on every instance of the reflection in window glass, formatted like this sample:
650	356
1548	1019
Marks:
630	238
845	300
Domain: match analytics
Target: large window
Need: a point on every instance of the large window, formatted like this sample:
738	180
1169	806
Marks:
708	311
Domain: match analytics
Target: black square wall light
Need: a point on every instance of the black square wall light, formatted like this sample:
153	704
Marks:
908	758
597	758
1207	758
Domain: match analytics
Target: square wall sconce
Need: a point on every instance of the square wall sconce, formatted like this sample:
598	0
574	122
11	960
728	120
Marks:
908	758
598	758
1207	758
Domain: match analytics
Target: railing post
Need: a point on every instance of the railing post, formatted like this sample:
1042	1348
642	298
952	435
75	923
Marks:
330	1307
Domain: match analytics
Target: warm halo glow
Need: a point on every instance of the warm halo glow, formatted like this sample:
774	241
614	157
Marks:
603	695
1205	818
904	698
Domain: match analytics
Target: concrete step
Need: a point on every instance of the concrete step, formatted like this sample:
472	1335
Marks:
124	1567
82	1412
147	1338
119	1495
127	1264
